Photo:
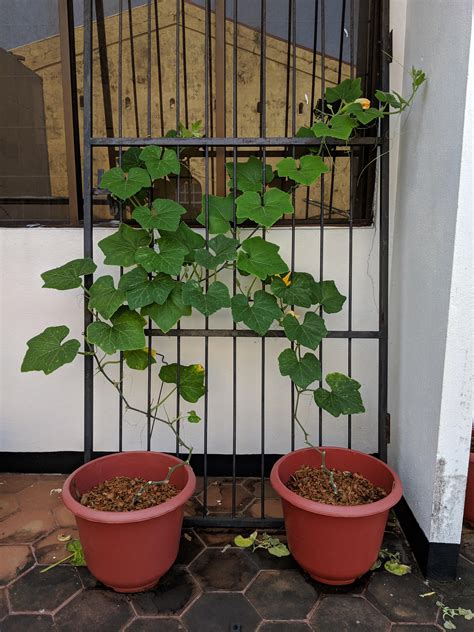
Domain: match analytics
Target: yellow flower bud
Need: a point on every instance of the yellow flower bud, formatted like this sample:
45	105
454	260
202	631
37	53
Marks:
286	279
365	103
292	313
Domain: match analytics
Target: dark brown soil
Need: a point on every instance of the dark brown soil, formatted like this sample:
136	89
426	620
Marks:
353	489
118	494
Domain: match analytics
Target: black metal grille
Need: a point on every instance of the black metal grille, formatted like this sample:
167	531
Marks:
213	148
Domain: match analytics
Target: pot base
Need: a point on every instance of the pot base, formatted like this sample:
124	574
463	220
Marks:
333	582
136	590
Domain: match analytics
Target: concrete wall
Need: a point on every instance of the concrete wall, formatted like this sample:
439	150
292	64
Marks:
431	288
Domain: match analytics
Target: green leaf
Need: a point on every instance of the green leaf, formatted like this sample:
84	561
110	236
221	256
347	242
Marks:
104	298
169	259
249	174
326	294
388	97
193	417
302	371
245	543
309	333
340	126
173	309
343	398
191	380
139	359
163	215
186	238
294	289
131	158
124	185
120	247
275	204
46	353
68	276
220	213
260	258
363	116
279	550
78	558
394	567
448	625
160	163
307	172
348	90
126	332
257	316
224	248
216	297
141	291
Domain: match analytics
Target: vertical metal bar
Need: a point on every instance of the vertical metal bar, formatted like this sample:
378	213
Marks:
134	75
383	236
292	21
148	125
105	77
158	65
120	132
177	121
88	248
351	228
219	69
185	66
288	56
313	85
71	119
321	215
234	269
263	133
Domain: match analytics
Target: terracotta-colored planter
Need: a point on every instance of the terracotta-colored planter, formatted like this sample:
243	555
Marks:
335	544
130	551
469	502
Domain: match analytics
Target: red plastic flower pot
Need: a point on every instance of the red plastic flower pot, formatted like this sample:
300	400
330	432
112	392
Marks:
130	551
335	544
469	502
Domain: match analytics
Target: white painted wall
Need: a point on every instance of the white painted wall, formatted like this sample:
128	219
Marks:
44	413
431	288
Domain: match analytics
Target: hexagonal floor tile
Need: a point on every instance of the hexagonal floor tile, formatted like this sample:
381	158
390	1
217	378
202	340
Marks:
190	546
102	610
273	508
8	505
399	598
217	612
268	562
63	517
462	586
254	486
35	591
26	526
284	626
155	625
34	622
173	593
41	494
282	595
13	561
462	624
216	569
193	508
3	603
356	588
414	628
49	549
13	483
219	497
217	537
346	613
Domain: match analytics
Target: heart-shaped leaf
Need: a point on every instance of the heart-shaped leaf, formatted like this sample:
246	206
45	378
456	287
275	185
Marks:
191	380
343	398
141	291
125	333
279	550
216	297
163	215
245	543
188	239
302	371
396	568
260	258
326	294
123	185
249	174
309	333
169	259
68	276
193	417
340	126
293	289
131	158
104	298
160	163
274	205
224	249
220	212
348	90
363	116
306	172
120	247
170	312
139	359
46	353
258	315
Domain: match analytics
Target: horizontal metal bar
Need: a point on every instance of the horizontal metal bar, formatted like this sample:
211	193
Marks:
233	523
231	142
247	333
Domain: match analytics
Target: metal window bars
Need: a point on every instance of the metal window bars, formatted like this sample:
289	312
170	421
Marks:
214	150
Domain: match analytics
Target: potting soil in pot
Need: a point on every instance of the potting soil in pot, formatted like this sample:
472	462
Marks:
121	494
352	489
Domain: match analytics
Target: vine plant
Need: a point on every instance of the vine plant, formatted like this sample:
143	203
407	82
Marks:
171	269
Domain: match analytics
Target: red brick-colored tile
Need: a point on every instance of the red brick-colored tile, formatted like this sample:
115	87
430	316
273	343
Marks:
49	549
273	508
63	517
26	526
42	494
8	504
254	486
13	561
193	508
219	497
12	483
